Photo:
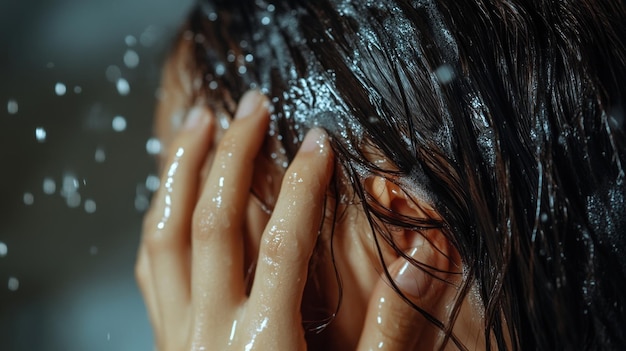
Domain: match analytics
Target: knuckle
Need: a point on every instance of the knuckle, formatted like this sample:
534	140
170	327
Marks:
158	241
283	245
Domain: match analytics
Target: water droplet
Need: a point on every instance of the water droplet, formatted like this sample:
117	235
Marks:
123	88
152	183
153	146
13	284
212	16
3	249
141	203
50	65
78	89
444	73
230	57
93	250
130	40
100	155
12	107
249	58
60	89
90	206
49	186
199	38
28	198
149	36
119	124
242	69
40	134
131	59
113	73
70	185
73	200
265	20
220	69
271	8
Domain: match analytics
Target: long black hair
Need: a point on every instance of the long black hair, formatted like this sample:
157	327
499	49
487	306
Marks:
506	115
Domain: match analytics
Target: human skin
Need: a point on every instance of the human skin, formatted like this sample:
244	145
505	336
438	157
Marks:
202	231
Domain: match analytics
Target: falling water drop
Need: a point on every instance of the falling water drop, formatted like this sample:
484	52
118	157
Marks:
152	183
220	69
40	134
113	73
90	206
13	284
3	249
28	198
49	186
130	40
131	58
444	73
149	36
100	155
78	89
123	88
73	200
153	146
12	107
60	89
119	124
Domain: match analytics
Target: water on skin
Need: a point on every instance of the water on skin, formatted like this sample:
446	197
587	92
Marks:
168	186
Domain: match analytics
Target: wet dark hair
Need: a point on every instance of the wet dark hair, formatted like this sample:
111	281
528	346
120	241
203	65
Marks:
506	115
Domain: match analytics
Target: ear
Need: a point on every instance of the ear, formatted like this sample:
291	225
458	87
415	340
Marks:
389	195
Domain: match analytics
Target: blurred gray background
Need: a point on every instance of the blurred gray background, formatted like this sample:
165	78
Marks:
77	91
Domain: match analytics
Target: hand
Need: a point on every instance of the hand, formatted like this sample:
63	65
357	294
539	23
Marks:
190	265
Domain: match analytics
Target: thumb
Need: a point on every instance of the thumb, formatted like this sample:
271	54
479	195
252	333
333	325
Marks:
392	323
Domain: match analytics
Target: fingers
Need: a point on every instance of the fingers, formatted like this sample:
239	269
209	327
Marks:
393	324
290	236
164	254
219	216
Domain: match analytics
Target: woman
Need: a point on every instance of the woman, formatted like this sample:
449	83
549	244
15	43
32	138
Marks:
477	197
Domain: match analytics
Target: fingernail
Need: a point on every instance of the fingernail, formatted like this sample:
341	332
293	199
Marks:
313	140
410	279
195	118
249	103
